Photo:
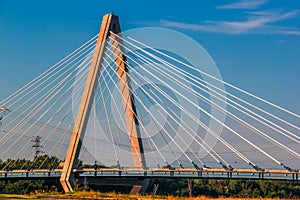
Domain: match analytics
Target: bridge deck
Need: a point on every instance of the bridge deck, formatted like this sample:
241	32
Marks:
156	173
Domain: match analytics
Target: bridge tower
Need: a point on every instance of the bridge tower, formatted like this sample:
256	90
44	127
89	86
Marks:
110	23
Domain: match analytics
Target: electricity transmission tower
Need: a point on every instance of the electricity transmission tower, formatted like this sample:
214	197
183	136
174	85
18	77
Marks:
38	148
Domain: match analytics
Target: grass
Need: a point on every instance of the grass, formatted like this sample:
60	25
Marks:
109	196
16	196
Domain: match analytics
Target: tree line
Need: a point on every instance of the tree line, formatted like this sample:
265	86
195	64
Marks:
226	188
164	187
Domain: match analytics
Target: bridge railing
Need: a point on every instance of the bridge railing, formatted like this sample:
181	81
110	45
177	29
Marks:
268	174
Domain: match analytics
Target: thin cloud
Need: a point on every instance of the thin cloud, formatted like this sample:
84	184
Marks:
246	4
292	32
260	21
280	41
256	23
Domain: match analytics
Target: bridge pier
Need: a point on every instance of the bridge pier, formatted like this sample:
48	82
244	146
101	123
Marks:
139	186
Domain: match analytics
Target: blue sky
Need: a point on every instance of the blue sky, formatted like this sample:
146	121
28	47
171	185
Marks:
255	43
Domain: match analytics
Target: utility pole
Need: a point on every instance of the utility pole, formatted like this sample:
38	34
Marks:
190	186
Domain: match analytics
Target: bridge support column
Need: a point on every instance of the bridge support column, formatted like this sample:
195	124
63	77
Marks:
128	101
85	105
140	188
110	23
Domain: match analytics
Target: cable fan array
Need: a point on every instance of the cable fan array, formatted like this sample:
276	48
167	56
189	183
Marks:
184	120
42	111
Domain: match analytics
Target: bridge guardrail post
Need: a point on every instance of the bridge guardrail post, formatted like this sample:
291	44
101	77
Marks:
261	175
229	174
171	173
199	174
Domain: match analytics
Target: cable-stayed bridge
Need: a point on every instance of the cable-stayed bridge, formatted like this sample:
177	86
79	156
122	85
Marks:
120	107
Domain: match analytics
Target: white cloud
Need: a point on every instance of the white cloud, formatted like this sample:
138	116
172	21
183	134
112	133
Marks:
256	23
246	4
